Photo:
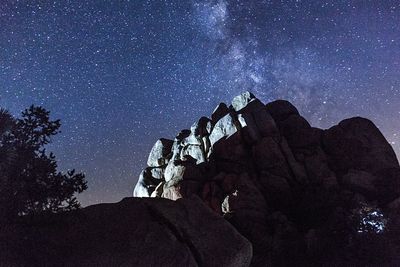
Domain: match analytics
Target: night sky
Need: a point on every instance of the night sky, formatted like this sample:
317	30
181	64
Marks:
121	74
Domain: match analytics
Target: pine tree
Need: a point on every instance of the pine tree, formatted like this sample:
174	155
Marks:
29	179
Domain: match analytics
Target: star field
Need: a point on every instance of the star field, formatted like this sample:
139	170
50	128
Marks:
121	74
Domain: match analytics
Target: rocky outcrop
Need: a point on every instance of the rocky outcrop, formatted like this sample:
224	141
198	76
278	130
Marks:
133	232
286	186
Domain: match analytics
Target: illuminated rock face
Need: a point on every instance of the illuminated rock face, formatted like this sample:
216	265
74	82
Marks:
281	182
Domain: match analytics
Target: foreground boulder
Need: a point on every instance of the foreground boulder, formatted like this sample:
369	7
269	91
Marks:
300	194
133	232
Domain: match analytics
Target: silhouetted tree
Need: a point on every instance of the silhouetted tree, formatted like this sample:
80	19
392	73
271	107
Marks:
6	151
29	180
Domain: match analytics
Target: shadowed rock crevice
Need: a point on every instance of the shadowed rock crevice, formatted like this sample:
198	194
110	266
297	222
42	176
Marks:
288	187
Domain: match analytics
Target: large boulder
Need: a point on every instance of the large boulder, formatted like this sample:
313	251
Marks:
249	128
361	182
174	171
159	153
357	143
220	111
263	121
223	128
202	127
242	100
195	151
281	110
133	232
146	184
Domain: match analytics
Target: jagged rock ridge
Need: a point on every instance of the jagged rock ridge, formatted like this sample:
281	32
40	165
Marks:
282	183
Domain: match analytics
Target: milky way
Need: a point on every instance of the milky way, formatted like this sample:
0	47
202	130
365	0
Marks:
121	74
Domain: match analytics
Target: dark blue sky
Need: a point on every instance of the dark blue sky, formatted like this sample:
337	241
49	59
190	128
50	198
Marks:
121	74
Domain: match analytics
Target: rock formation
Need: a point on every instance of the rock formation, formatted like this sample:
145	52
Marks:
291	189
253	184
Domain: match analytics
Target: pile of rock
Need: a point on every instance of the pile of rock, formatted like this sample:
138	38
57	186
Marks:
273	175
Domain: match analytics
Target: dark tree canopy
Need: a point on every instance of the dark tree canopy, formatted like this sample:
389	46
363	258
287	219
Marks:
29	179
